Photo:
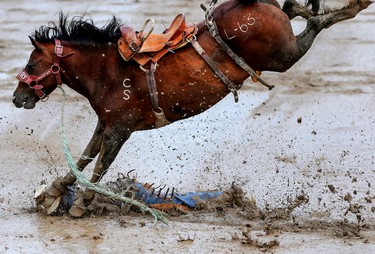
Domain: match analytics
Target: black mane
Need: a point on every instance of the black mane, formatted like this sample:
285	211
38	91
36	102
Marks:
78	29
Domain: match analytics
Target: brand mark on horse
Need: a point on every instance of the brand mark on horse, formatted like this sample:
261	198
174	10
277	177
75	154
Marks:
126	91
243	27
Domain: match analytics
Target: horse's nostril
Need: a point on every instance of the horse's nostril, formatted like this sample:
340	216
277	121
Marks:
15	99
24	100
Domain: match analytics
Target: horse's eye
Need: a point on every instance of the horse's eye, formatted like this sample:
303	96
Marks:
30	67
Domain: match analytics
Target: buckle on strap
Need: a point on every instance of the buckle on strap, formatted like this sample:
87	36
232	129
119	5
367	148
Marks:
58	48
133	46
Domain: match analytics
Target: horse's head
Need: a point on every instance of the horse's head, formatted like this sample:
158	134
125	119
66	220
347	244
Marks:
40	76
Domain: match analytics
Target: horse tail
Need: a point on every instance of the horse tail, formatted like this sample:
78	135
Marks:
247	2
315	5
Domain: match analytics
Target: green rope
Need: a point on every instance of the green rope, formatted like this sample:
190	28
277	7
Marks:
96	187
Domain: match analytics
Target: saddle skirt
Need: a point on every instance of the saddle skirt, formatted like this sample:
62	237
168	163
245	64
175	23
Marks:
143	48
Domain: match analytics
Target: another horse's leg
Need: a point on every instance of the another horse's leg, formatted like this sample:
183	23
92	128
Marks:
110	147
293	9
58	187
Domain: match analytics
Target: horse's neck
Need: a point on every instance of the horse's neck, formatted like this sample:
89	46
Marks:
83	72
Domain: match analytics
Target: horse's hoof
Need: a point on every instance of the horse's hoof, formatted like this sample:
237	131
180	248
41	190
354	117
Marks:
77	212
365	3
53	202
45	201
78	209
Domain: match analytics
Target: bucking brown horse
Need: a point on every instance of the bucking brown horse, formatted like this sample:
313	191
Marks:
137	80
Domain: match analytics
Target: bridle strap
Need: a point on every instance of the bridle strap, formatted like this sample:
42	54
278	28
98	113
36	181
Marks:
59	49
33	81
214	32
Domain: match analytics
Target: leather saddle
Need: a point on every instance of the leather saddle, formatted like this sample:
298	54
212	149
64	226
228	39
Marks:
143	47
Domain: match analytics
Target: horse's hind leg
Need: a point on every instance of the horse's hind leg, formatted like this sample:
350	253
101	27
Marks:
110	147
349	12
315	25
59	186
294	9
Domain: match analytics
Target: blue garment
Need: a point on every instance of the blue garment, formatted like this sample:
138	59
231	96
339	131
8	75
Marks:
187	199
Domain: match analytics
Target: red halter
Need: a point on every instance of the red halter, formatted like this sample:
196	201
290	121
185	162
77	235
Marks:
33	81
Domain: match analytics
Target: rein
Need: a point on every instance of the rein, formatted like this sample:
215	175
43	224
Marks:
213	30
33	81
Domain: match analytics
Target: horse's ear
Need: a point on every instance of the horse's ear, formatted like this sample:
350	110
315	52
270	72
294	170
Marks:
37	45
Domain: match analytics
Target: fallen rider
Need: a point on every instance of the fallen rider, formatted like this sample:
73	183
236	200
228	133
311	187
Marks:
161	198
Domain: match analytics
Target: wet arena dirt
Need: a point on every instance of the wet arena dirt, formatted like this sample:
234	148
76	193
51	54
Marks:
304	152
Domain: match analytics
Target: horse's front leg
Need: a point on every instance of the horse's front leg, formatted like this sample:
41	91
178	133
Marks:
111	145
52	196
88	155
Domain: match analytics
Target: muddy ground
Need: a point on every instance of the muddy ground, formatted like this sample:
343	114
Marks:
304	152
